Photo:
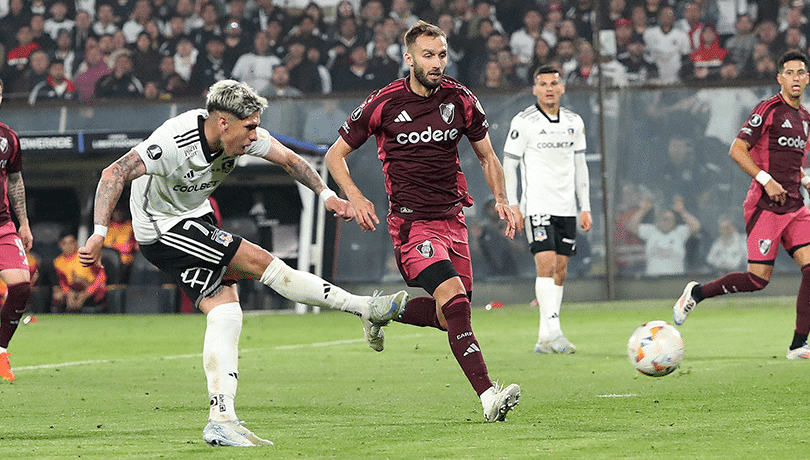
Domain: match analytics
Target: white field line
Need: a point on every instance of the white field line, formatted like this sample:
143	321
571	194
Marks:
199	355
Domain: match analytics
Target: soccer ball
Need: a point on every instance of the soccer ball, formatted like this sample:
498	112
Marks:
655	348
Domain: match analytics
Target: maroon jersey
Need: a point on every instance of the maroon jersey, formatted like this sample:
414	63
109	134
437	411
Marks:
777	134
417	141
10	162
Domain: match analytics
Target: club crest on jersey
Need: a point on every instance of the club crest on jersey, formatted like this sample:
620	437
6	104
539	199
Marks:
755	120
448	112
764	246
222	237
570	131
3	144
154	152
426	249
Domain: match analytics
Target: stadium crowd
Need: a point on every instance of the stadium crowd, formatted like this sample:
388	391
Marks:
86	49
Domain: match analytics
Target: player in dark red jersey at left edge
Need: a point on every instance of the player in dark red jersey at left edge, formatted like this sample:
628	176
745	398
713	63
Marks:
14	242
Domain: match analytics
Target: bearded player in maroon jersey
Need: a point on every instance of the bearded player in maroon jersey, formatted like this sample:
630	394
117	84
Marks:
418	122
770	148
14	243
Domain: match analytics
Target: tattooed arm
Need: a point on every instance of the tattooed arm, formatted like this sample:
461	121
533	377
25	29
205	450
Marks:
16	198
113	178
300	170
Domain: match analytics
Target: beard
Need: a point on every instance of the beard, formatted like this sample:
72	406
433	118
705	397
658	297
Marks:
421	76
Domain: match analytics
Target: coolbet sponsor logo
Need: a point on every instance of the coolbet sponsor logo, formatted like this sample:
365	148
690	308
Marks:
430	134
797	142
554	145
196	187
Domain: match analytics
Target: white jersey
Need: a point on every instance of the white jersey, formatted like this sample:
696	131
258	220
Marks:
551	156
181	173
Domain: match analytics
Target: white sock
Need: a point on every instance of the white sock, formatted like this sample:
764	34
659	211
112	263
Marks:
3	350
554	327
487	397
221	357
546	299
303	287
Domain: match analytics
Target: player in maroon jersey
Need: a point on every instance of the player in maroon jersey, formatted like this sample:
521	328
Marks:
418	122
14	243
770	148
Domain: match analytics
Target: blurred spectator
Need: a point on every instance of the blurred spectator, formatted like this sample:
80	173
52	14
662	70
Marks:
120	83
7	74
153	29
314	11
121	237
455	48
82	31
123	9
106	46
356	75
58	20
36	72
705	63
186	10
173	32
343	40
145	59
151	90
18	56
305	31
622	33
728	252
137	20
185	57
498	251
766	33
794	40
304	73
105	21
90	71
554	17
54	87
638	17
566	54
210	67
741	45
639	70
235	43
522	40
373	13
630	257
764	68
171	84
568	31
275	38
280	84
325	77
17	17
383	66
543	55
664	242
268	12
652	11
162	11
210	27
509	71
667	45
119	42
493	77
345	10
78	285
616	9
583	16
401	11
430	12
585	71
38	34
481	49
690	23
256	67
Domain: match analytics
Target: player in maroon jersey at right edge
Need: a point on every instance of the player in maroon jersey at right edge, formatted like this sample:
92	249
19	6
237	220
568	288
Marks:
14	243
418	122
770	148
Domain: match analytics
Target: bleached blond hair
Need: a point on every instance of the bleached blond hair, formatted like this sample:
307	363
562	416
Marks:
234	97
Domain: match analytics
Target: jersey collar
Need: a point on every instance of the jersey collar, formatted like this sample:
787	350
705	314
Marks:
546	115
207	153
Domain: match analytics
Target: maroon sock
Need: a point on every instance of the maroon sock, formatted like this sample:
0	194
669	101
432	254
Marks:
463	344
421	311
733	282
803	303
12	311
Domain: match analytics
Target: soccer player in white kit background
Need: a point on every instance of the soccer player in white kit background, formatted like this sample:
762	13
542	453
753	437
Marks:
544	159
173	172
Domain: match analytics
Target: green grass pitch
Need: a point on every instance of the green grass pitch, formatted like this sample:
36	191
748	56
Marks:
110	387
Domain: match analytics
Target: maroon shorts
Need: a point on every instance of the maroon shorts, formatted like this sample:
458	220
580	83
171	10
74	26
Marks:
766	230
419	244
12	252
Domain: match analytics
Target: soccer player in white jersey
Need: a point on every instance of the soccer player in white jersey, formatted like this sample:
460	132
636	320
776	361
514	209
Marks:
544	156
173	172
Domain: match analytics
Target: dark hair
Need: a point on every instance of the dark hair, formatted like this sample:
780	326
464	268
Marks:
544	69
792	56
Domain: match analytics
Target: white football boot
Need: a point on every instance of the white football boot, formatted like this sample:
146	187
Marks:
799	353
384	308
505	400
684	305
231	433
375	335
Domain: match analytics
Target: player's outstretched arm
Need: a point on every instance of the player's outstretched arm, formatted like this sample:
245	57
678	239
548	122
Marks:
363	208
113	178
300	170
493	172
16	198
741	155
